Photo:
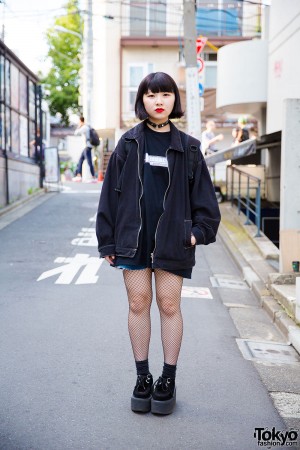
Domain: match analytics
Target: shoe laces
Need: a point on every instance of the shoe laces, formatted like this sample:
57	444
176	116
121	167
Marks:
141	380
163	383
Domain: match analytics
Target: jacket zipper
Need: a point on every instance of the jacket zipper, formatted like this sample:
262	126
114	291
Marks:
152	254
142	190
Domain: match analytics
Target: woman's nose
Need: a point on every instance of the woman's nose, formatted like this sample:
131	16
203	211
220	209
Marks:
158	100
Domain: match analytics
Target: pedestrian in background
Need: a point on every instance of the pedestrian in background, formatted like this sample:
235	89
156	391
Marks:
84	130
150	218
243	134
209	139
235	133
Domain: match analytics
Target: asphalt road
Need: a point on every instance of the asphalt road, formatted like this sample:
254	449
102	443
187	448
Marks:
66	365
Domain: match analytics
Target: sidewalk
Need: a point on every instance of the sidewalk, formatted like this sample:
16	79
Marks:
258	259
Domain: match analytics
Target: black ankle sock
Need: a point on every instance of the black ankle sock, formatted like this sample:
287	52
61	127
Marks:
142	367
169	371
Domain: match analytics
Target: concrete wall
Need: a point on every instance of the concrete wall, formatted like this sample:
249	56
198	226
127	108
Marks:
22	177
284	63
290	192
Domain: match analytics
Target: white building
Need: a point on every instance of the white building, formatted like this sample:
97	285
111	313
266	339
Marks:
134	38
265	82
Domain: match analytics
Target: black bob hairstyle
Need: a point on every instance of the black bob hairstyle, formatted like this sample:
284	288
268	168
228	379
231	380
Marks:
157	82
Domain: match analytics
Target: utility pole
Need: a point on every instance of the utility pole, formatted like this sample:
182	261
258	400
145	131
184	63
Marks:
191	70
88	68
40	139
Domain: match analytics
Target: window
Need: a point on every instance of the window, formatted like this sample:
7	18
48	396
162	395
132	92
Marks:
147	18
157	19
210	75
32	130
7	82
15	129
2	122
23	94
135	75
14	87
32	100
219	17
136	72
18	106
2	77
210	56
137	18
7	129
23	136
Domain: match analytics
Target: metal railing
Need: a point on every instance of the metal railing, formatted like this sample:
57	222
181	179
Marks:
253	206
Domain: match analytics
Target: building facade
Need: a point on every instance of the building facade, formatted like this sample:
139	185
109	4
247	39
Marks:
270	88
19	128
134	38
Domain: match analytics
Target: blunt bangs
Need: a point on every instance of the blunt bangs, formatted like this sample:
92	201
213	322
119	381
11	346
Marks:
157	82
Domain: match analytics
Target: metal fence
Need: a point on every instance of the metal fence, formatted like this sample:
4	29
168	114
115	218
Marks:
246	190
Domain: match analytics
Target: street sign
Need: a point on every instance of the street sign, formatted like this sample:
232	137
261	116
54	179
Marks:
201	89
200	64
200	43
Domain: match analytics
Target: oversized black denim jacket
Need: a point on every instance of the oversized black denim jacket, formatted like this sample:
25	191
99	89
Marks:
187	208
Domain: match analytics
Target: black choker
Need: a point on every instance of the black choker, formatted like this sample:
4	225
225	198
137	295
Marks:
160	125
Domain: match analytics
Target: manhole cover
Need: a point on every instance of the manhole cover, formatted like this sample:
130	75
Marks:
273	352
196	292
231	283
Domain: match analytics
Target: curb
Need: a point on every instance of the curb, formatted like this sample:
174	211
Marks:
22	201
277	314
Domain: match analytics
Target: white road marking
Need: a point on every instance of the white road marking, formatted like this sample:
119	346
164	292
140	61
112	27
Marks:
196	292
87	238
72	266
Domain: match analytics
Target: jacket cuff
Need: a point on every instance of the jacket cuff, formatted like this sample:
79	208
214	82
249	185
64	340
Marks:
198	235
108	250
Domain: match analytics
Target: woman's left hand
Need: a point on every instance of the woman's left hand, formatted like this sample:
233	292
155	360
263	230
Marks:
193	240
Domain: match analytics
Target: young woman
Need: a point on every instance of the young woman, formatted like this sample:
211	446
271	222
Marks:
150	218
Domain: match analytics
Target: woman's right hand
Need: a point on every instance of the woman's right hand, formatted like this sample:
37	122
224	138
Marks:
110	259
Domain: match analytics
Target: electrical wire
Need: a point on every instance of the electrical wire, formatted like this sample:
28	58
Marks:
122	18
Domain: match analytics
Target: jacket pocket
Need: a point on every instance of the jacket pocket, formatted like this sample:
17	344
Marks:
187	234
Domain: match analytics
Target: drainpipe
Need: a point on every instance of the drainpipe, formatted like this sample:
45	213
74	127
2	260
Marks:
6	178
5	136
40	139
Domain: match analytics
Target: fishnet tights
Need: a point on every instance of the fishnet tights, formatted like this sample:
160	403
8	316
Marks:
168	286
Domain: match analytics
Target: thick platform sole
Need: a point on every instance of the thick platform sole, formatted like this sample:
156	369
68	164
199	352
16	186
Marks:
140	404
163	407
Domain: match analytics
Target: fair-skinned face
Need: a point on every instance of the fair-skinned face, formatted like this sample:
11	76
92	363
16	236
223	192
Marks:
159	105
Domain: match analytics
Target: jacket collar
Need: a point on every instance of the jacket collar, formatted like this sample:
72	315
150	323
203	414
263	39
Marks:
137	131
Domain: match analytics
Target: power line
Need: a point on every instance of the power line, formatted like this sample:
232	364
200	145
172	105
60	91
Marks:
220	22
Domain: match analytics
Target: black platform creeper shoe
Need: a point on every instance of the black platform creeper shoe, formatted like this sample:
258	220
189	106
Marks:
141	397
163	398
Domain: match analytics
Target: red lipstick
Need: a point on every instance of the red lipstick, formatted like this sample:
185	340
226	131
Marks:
159	110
